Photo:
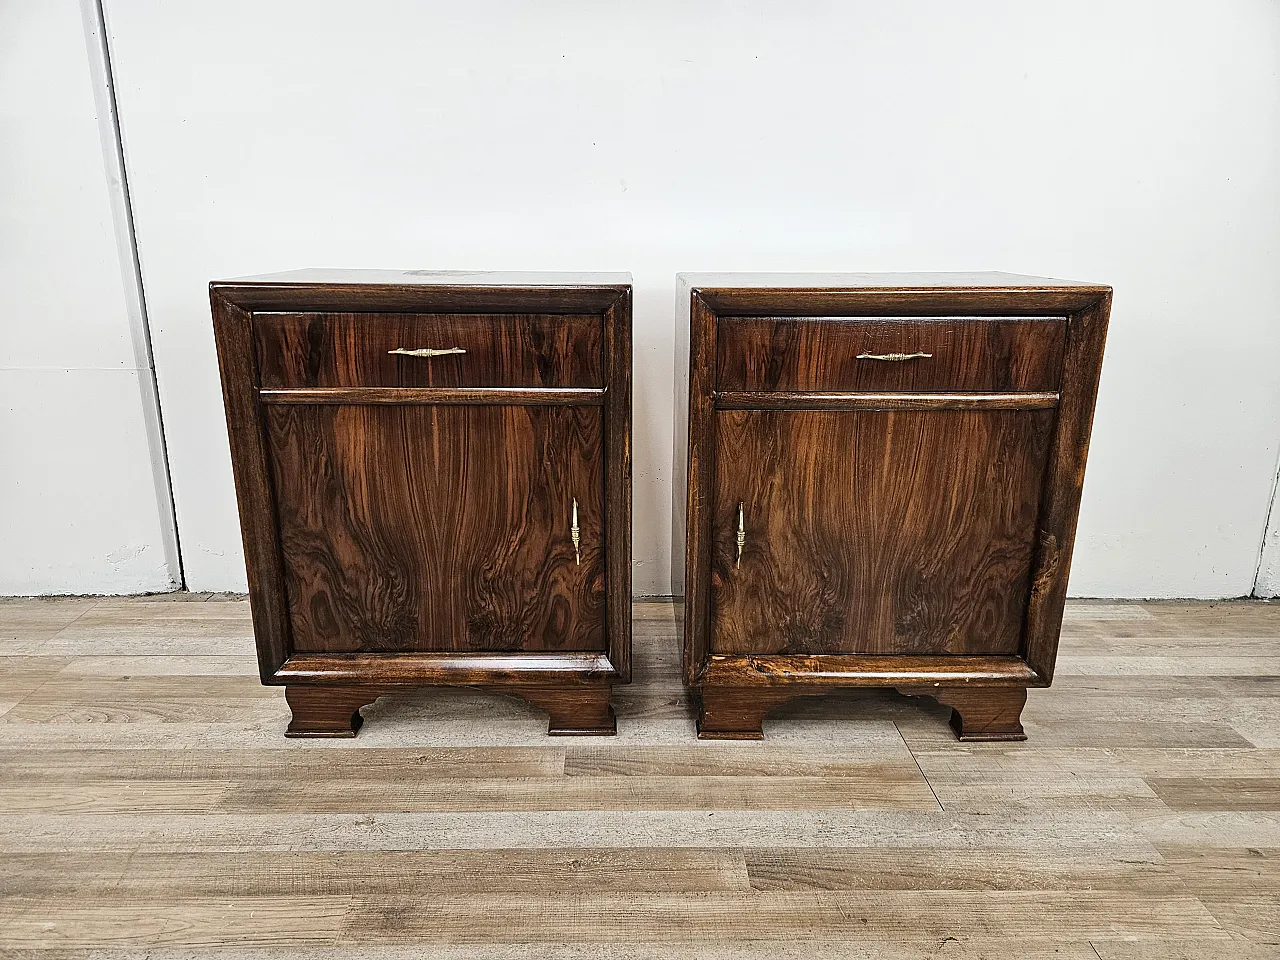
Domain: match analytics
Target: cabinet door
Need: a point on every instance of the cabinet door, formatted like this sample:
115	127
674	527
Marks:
879	532
440	528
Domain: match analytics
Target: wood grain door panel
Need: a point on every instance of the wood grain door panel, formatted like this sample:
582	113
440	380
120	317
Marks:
439	528
876	532
502	350
839	353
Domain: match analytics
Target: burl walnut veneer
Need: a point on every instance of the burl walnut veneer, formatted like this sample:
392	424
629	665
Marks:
434	478
883	479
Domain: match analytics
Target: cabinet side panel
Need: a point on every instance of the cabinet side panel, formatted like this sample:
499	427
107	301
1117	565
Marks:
1064	482
237	366
617	483
680	440
701	477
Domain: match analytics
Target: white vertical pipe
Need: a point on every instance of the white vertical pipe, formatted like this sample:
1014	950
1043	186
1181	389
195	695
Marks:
104	96
1266	582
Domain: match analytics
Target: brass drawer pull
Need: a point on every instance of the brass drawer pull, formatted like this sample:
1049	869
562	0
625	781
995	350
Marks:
426	352
893	356
575	534
742	532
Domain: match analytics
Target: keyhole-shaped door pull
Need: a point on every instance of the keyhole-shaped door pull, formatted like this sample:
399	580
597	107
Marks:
742	533
575	534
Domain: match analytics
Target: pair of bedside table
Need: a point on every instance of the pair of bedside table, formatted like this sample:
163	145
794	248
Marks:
434	478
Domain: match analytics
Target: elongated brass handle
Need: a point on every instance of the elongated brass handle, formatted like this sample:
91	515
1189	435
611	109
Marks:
742	532
575	534
426	352
893	356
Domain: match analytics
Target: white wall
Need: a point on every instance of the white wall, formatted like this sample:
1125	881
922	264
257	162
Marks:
1133	143
78	512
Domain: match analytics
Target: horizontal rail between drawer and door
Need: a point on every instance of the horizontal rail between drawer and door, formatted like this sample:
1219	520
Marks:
867	670
830	400
446	668
473	396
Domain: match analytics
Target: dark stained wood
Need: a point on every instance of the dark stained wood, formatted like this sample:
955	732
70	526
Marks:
693	531
982	714
420	528
907	532
502	350
979	713
538	397
233	334
580	710
334	710
737	713
1064	485
413	515
837	353
990	294
433	669
329	711
425	291
907	522
860	670
780	400
617	484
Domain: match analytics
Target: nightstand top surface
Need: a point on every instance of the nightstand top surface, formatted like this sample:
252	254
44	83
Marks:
838	281
463	278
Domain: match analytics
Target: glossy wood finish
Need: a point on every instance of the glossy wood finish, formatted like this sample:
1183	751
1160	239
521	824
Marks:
150	807
328	711
334	711
919	509
980	714
408	520
502	350
906	532
833	400
838	353
455	396
440	528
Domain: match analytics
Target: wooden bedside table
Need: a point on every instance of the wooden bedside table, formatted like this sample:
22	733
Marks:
434	478
883	479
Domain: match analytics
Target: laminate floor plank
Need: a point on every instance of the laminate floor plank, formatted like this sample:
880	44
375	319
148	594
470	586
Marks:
864	915
738	759
1068	832
898	788
189	875
27	623
136	796
899	868
942	948
111	921
1234	949
266	765
1218	793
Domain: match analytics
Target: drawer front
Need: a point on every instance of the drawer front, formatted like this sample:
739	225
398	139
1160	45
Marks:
453	350
890	353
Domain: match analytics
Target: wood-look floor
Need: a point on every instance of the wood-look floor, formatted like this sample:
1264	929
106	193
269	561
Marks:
150	806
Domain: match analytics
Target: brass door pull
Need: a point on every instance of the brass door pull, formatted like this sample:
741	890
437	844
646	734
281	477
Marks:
742	533
894	356
575	534
426	352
